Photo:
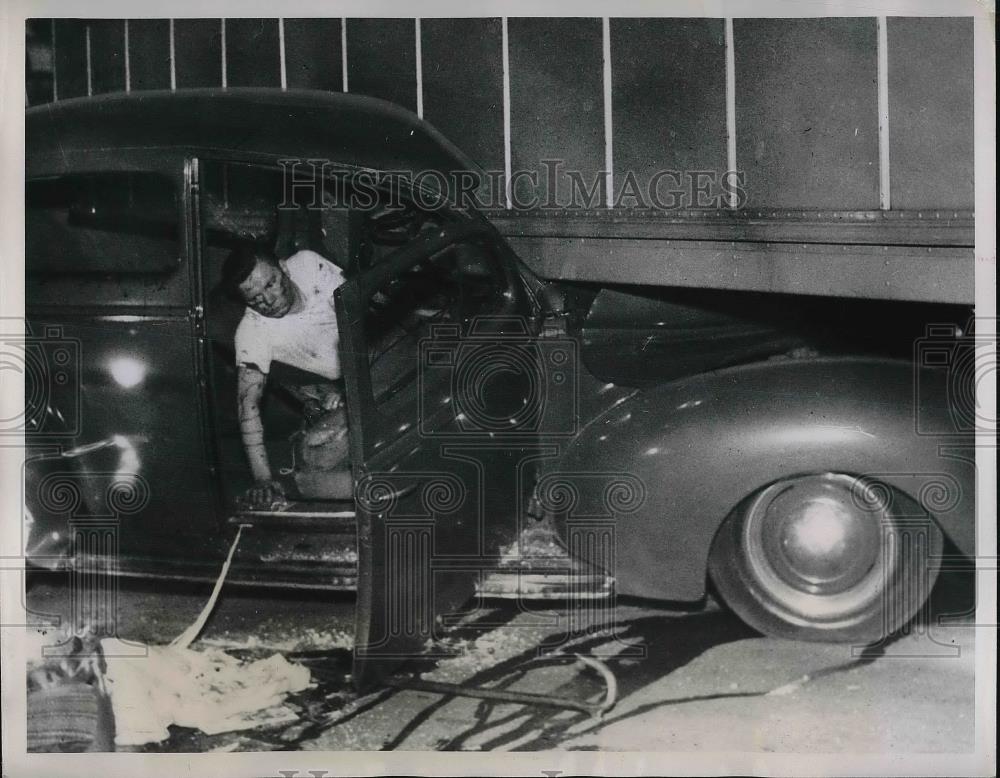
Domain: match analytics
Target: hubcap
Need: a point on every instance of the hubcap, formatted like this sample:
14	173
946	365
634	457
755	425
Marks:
813	546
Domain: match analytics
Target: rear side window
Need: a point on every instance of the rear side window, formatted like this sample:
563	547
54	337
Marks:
102	223
104	239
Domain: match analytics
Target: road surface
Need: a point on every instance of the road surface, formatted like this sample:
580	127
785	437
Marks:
693	679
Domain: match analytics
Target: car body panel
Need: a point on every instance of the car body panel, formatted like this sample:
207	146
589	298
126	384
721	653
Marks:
175	498
701	444
346	129
645	337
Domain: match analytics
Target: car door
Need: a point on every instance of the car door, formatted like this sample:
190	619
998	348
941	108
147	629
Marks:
442	372
110	331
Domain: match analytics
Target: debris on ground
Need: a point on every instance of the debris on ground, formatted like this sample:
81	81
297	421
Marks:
188	695
538	546
292	551
207	690
789	688
67	708
470	657
537	565
305	640
70	717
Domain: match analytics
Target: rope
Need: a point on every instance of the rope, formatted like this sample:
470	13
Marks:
188	636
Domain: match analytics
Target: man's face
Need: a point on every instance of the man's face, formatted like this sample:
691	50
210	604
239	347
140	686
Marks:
268	290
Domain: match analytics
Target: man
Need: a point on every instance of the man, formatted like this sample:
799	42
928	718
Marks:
290	318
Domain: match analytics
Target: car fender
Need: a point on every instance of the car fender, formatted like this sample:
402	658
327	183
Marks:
696	447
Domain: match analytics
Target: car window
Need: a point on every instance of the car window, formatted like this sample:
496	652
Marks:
101	223
452	287
353	228
104	239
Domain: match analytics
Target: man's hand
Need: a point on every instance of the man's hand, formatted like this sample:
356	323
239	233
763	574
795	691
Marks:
333	401
317	400
264	495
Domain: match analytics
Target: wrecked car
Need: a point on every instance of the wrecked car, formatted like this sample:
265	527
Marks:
670	443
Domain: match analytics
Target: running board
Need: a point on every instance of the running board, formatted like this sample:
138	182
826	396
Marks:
297	520
324	577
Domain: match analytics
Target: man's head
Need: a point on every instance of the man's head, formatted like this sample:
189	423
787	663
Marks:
254	275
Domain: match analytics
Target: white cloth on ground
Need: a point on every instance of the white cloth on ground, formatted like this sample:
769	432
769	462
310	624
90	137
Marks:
208	690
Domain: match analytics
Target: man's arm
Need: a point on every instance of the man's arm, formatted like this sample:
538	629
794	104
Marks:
250	390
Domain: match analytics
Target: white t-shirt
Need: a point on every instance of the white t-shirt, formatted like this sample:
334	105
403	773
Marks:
305	339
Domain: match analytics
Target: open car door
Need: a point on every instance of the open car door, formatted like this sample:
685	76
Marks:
440	367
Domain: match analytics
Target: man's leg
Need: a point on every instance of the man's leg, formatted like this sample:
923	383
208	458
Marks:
323	468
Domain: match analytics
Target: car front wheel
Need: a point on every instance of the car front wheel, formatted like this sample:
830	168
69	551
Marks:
827	557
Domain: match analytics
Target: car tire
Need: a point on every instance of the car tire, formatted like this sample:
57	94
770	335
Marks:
827	557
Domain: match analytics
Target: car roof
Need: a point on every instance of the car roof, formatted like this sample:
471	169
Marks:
343	128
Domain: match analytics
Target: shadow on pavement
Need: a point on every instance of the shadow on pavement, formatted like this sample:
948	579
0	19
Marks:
671	641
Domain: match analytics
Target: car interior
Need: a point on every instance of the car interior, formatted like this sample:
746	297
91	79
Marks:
241	202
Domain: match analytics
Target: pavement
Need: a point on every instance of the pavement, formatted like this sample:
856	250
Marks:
688	679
